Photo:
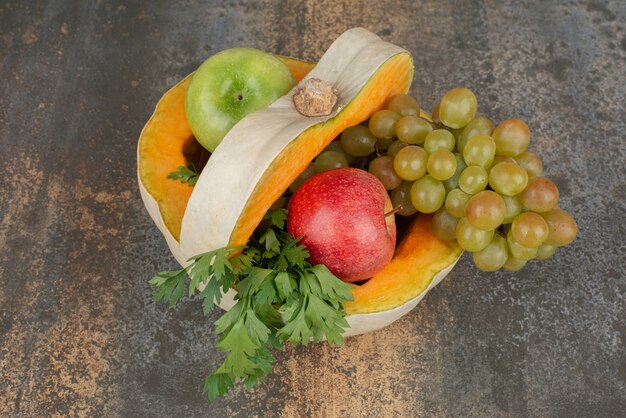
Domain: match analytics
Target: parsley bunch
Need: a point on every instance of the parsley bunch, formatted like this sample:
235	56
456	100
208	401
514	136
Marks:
280	298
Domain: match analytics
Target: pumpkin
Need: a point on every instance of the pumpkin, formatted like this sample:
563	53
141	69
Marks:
265	152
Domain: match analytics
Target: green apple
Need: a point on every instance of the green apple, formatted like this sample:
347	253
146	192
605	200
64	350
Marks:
228	86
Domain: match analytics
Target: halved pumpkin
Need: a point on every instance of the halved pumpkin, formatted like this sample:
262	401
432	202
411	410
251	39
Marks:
265	152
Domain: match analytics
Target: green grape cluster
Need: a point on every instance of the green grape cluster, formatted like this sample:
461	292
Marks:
484	189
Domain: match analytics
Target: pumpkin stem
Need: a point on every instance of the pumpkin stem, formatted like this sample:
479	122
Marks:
316	98
394	210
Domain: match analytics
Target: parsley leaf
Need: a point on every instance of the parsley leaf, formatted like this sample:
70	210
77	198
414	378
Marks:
296	329
214	271
277	217
326	321
284	284
311	314
331	288
170	286
271	243
266	294
218	384
186	174
242	341
280	298
242	261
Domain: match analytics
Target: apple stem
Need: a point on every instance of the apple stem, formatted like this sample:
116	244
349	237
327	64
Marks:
394	210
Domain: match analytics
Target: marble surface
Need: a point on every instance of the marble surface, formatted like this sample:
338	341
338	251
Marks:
79	332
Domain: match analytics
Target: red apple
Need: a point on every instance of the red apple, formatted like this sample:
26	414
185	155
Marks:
340	216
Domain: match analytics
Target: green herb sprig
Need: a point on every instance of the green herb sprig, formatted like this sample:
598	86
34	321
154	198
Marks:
280	298
186	174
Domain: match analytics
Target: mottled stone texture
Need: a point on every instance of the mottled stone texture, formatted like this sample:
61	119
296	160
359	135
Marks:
79	333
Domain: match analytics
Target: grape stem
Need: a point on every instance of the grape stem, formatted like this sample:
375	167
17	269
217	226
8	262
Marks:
394	210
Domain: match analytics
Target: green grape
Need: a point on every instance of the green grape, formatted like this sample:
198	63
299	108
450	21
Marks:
329	160
473	179
529	229
501	159
383	123
514	264
336	147
513	208
403	105
435	113
562	228
477	126
518	250
358	141
545	251
512	137
479	150
530	162
471	238
383	144
456	200
453	182
508	178
540	195
456	133
382	167
439	139
395	147
410	162
441	164
444	225
413	129
485	210
493	256
401	196
361	163
457	107
308	172
427	194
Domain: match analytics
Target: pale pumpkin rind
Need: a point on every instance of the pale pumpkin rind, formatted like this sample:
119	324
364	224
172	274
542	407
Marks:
240	166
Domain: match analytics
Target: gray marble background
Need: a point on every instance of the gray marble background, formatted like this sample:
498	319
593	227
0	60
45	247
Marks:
79	333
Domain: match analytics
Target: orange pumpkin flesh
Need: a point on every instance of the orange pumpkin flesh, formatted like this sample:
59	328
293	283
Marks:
417	259
167	142
160	151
